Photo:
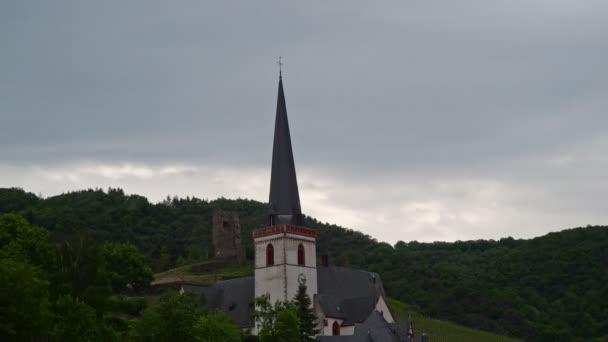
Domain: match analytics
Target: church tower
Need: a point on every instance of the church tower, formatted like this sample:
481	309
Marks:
285	251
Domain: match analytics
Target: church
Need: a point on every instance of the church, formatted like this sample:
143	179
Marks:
350	304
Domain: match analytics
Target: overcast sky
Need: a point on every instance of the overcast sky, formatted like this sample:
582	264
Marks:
411	120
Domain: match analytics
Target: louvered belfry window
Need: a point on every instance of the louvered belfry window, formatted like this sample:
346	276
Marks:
301	255
269	255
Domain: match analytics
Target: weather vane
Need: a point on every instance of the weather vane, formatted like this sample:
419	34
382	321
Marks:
280	63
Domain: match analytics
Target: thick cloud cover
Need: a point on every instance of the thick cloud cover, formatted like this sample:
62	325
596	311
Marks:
411	120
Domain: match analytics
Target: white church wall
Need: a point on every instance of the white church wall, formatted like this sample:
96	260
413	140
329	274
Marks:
281	279
320	315
347	330
293	272
260	249
383	308
310	251
330	322
270	280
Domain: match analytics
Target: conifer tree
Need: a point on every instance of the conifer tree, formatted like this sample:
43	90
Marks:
308	319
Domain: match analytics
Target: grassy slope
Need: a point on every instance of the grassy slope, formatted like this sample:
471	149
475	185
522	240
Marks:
186	274
440	331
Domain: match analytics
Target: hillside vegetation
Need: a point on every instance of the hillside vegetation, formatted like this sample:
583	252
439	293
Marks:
551	288
438	330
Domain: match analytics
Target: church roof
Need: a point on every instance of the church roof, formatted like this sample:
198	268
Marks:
284	199
344	293
347	293
234	297
373	329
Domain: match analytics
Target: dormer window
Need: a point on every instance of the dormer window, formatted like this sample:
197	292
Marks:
301	255
269	255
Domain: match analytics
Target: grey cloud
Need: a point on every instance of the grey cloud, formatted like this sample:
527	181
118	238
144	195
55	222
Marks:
400	96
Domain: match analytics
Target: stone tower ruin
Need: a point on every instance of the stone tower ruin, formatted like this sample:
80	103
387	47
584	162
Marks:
227	236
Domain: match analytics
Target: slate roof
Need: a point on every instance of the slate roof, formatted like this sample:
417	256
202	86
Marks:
373	329
348	294
344	293
399	329
284	199
234	297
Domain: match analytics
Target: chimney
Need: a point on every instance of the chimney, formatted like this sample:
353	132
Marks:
325	260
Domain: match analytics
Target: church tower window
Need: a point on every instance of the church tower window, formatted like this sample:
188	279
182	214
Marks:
269	255
335	329
301	255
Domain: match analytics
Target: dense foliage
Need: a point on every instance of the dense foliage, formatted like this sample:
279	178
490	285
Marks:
551	288
183	318
276	322
49	291
74	291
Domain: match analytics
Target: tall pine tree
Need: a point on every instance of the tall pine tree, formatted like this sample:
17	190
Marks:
308	319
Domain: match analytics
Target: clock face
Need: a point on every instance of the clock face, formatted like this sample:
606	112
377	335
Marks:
301	278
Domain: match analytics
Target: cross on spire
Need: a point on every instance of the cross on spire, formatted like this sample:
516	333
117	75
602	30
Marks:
280	63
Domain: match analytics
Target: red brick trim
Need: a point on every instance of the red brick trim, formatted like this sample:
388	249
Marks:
285	229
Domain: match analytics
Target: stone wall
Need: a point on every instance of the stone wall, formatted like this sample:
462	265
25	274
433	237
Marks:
227	236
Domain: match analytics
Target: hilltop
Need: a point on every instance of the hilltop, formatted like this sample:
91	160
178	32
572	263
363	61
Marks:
550	288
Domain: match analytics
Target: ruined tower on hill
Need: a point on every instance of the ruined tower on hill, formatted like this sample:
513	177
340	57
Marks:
227	236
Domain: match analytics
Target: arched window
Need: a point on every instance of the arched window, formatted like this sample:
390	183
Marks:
335	329
269	255
301	258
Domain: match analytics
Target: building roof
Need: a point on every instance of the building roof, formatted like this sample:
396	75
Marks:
234	297
344	293
348	294
373	329
284	199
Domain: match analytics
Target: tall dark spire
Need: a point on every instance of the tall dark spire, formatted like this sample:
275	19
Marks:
284	202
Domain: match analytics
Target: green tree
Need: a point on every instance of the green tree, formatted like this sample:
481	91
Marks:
306	315
164	261
278	322
81	273
216	327
287	328
76	321
196	253
125	267
172	319
24	288
24	297
21	241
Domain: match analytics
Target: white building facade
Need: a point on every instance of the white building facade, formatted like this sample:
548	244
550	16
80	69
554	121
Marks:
285	256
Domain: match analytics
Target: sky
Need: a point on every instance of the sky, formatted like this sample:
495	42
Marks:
410	120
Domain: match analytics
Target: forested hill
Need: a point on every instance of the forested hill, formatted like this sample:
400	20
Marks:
551	288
